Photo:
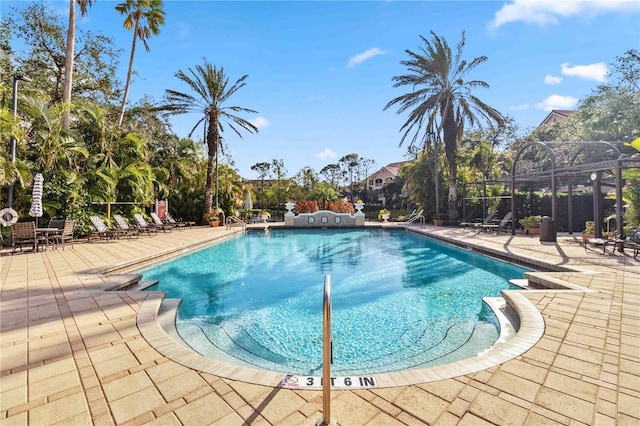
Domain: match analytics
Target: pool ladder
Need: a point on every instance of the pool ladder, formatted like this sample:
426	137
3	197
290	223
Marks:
235	221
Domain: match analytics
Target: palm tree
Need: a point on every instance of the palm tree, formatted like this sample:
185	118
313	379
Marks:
212	89
69	53
441	101
138	11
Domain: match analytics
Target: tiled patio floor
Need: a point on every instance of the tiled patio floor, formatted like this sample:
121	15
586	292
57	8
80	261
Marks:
72	353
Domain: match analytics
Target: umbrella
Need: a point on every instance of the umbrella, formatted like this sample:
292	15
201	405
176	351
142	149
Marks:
36	198
248	204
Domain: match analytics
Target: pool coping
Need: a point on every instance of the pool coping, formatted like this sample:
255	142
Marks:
156	322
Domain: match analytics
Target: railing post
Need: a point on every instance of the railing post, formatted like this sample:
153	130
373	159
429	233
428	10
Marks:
326	356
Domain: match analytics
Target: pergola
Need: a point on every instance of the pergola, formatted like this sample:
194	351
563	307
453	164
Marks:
565	161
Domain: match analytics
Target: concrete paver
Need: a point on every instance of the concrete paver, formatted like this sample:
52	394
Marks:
72	353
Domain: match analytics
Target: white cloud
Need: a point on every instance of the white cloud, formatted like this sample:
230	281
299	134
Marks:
597	72
557	102
260	122
549	12
361	57
184	30
325	154
552	79
520	107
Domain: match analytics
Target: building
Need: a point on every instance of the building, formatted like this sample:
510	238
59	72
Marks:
556	116
386	174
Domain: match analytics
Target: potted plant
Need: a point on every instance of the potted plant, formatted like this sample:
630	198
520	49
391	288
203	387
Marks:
213	217
438	220
589	231
531	224
384	215
265	215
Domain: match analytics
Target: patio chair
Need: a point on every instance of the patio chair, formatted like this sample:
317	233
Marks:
127	230
23	234
66	228
102	231
631	241
158	223
144	226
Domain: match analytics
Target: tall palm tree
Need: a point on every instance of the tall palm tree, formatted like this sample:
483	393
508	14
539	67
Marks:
441	101
211	91
69	53
137	13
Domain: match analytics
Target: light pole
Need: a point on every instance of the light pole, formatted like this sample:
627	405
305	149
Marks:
595	178
12	154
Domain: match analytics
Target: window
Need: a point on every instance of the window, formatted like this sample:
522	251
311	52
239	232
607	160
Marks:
378	183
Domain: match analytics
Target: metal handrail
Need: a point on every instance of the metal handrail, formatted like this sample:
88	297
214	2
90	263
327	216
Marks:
417	218
235	221
326	352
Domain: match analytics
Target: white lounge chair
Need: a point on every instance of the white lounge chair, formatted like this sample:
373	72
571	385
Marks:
102	230
143	225
124	226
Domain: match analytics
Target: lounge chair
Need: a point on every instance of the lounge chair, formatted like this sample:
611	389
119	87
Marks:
24	234
124	226
487	221
144	226
102	231
157	222
403	218
499	225
467	222
170	219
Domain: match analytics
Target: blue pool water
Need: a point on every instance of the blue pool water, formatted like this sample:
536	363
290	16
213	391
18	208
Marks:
399	300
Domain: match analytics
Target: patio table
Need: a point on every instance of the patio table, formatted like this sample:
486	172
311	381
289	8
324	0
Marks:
45	234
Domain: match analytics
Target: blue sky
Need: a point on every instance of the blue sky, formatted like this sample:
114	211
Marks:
320	71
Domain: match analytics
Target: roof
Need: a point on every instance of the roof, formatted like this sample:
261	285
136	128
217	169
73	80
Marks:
555	116
391	168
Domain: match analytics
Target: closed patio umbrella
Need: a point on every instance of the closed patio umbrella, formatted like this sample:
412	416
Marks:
248	204
36	198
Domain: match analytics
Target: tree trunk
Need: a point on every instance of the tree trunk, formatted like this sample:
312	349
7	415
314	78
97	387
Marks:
68	65
129	72
450	131
208	190
212	147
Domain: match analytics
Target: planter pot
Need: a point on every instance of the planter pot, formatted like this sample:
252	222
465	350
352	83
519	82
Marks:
586	237
385	216
438	222
264	218
214	223
532	231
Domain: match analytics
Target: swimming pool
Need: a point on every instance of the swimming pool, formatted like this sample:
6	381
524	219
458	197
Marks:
400	300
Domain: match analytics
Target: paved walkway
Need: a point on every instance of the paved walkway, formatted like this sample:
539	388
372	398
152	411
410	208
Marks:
72	353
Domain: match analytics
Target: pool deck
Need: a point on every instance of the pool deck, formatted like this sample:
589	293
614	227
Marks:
72	353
